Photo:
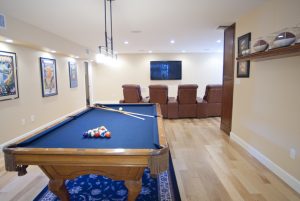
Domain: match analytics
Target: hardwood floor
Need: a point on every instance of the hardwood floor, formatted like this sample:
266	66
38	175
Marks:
208	166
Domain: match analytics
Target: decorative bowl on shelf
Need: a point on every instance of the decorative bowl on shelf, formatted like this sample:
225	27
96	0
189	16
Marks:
284	39
260	46
246	52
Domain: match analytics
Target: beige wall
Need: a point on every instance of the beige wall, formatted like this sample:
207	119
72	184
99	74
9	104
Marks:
266	106
201	69
30	101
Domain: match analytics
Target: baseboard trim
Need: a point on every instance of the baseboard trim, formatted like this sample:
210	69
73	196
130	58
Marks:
39	128
281	173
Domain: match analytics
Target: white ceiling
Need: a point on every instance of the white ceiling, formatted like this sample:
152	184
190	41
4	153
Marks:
191	23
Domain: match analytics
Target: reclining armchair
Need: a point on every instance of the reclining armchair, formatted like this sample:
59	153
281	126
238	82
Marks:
211	104
187	100
159	94
132	94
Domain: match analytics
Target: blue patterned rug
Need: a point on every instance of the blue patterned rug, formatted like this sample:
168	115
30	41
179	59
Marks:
99	188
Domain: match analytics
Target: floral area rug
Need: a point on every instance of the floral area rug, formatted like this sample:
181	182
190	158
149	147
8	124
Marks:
99	188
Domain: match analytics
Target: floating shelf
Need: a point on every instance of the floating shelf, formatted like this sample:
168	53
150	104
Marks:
293	50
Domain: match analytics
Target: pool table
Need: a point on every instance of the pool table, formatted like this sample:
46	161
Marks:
63	153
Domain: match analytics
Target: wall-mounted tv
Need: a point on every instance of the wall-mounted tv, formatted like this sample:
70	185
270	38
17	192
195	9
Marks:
165	70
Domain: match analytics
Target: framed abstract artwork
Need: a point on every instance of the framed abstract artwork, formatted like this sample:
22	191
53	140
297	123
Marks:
8	76
243	69
48	77
244	44
73	74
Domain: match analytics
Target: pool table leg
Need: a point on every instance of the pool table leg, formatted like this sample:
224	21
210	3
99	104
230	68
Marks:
57	186
134	188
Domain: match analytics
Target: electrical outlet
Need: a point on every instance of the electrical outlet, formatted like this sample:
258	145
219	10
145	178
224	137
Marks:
32	118
293	153
23	121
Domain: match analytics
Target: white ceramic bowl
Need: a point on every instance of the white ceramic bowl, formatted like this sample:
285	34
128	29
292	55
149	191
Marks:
260	48
283	42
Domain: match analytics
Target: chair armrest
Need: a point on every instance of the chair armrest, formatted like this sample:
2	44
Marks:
146	99
201	108
172	108
172	100
200	100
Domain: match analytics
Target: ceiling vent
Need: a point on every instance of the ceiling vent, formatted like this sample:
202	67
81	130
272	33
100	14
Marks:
2	21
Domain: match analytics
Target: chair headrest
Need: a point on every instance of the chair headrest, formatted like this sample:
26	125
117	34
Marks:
187	86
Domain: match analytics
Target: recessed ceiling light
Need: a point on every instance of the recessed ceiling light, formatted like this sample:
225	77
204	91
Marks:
183	51
9	41
76	57
172	41
52	51
150	51
218	41
126	42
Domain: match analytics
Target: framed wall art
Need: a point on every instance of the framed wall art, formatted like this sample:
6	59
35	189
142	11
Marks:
73	74
48	77
244	44
8	76
243	69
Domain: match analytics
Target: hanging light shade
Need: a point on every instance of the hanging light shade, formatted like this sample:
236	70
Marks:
106	53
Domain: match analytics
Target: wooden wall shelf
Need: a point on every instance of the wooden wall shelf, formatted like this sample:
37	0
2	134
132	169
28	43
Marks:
293	50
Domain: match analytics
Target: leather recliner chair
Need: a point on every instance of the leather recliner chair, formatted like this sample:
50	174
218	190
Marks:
168	105
132	94
159	94
187	100
211	104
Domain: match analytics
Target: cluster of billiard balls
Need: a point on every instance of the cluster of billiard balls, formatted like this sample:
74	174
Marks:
100	132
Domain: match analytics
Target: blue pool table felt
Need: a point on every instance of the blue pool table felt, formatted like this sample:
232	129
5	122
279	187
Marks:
126	132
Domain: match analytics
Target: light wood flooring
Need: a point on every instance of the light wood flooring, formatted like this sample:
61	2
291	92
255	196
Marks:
208	166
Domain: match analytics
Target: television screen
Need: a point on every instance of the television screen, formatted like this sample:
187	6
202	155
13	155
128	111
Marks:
165	70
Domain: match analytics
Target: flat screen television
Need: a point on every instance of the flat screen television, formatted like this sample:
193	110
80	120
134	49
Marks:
165	70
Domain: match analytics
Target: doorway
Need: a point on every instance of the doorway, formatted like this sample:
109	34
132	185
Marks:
87	83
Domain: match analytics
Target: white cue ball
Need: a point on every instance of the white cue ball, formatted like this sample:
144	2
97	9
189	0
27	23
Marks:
120	108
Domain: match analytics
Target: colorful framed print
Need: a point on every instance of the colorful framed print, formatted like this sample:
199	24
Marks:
243	69
48	77
8	76
244	44
73	74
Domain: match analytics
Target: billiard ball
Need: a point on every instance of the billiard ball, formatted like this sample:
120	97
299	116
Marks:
107	134
102	128
102	133
120	108
97	135
90	133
